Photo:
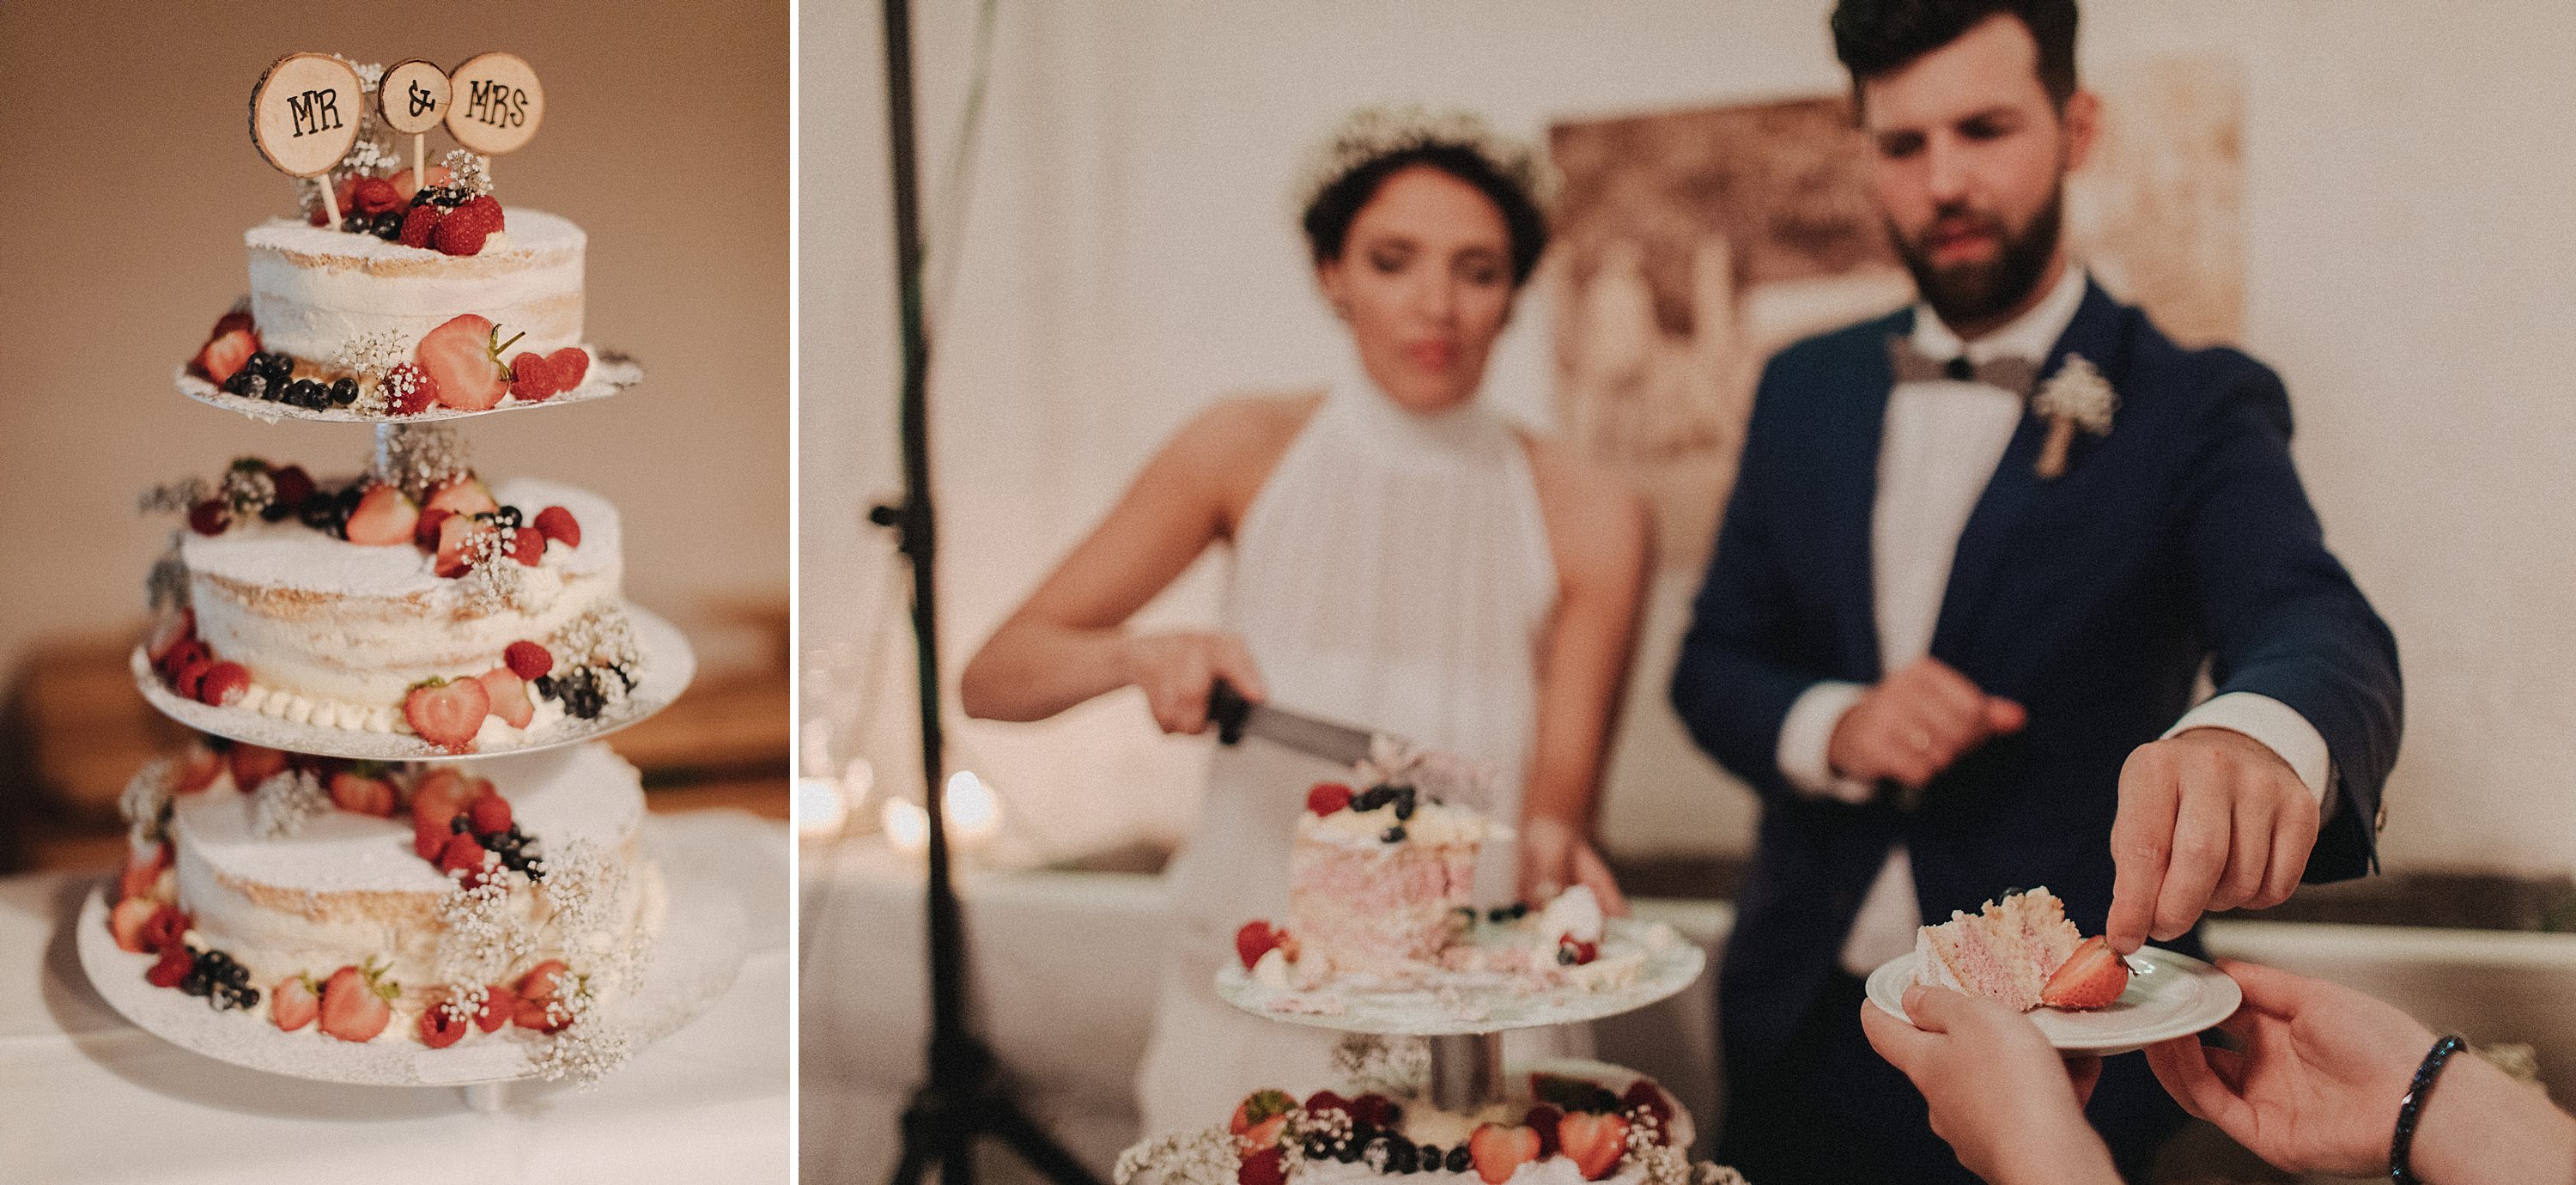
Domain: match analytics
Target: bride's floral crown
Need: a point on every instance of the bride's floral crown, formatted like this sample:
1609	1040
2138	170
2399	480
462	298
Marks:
1374	133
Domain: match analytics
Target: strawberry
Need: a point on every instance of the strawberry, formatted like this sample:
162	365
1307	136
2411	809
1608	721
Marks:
499	1005
420	225
446	714
1644	1101
127	921
440	1026
1266	1167
536	990
429	837
190	677
531	378
223	684
209	517
462	860
1594	1142
292	484
1253	941
558	525
569	364
509	695
174	964
464	495
455	533
1573	953
528	546
375	195
359	794
231	344
1377	1111
424	535
1498	1151
441	795
142	872
463	356
253	765
166	929
404	184
409	390
357	1003
527	660
1259	1136
1259	1108
1328	797
171	626
346	190
197	770
294	1002
1543	1119
2092	977
383	517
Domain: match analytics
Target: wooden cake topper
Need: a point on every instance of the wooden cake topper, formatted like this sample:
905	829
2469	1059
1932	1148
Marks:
494	103
304	116
413	97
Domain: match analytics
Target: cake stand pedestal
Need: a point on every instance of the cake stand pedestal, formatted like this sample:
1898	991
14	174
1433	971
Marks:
1466	1070
485	1098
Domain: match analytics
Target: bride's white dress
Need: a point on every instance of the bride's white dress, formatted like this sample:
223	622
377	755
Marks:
1392	572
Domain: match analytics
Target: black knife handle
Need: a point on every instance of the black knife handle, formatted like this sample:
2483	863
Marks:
1228	709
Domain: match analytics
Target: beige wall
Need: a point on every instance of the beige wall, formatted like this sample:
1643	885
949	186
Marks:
1127	256
127	178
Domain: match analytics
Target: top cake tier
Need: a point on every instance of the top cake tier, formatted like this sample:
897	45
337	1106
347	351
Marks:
315	291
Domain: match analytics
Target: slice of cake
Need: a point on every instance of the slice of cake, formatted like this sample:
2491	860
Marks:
1378	879
2006	951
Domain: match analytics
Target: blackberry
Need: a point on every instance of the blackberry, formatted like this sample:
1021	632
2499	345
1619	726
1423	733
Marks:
257	386
1404	805
458	825
1459	1160
344	392
197	982
239	383
1565	956
275	512
1318	1146
421	195
545	685
581	694
1392	834
248	996
1403	1158
1348	1151
357	223
388	225
319	513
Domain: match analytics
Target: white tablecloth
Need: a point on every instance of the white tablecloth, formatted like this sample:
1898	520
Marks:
87	1097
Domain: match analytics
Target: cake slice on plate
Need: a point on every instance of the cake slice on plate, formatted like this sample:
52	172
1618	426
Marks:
2006	951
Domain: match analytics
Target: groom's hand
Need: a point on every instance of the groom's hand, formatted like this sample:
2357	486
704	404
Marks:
1915	723
2209	819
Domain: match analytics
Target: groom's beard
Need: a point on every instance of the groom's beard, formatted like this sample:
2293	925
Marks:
1975	293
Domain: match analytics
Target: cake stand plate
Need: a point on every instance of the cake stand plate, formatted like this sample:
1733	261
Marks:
2169	995
668	665
610	372
696	954
1478	1004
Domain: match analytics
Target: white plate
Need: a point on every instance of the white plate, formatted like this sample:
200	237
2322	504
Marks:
668	666
610	372
695	955
1672	963
2169	995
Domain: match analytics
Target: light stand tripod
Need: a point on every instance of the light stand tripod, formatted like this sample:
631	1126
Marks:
963	1096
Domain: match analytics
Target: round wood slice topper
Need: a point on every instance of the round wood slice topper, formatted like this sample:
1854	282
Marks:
494	103
304	113
413	96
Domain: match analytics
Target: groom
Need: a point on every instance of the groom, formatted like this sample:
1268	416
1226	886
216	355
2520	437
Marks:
1976	554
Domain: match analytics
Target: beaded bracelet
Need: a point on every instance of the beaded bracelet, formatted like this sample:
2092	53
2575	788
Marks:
2411	1108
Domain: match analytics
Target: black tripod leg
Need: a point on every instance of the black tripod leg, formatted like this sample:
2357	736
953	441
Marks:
915	1166
1003	1118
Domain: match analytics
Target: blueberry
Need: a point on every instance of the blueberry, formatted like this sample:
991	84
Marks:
545	685
239	383
197	983
1496	915
1430	1154
1565	956
1459	1160
1403	1158
248	996
1318	1147
1392	835
258	387
1520	909
458	825
1404	807
388	225
344	392
508	516
1349	1151
357	223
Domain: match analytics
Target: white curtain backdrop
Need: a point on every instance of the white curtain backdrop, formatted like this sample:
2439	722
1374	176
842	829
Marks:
1127	255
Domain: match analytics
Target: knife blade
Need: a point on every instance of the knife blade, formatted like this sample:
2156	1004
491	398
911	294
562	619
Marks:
1237	718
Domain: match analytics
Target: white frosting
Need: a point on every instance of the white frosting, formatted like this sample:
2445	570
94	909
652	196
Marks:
1575	914
347	887
336	633
1433	823
314	289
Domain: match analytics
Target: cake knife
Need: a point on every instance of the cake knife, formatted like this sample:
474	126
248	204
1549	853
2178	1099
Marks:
1237	718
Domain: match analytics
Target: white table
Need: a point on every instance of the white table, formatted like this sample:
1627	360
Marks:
87	1097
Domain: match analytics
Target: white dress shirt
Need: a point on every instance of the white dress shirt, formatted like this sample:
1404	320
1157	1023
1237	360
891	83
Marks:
1942	441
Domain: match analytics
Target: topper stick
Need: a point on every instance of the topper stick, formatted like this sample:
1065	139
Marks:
330	200
419	162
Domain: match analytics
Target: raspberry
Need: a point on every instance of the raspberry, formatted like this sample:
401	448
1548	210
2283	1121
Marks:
419	224
528	660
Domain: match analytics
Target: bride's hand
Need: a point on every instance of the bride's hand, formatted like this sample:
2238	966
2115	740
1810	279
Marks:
1176	671
1554	856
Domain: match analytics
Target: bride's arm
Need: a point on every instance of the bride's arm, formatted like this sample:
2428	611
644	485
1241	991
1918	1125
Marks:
1600	534
1068	643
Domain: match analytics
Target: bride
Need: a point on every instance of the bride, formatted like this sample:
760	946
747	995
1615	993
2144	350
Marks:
1403	557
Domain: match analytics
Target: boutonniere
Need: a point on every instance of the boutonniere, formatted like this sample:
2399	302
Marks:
2077	396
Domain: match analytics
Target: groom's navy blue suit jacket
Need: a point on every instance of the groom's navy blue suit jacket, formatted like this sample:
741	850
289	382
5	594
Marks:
2092	599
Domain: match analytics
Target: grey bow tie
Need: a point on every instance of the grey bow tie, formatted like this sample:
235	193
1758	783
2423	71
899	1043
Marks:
2010	372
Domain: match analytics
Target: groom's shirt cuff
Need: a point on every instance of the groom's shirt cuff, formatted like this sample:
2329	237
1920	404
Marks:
2276	725
1808	731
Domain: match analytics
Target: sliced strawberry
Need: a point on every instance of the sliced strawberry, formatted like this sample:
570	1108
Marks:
222	358
1593	1142
172	625
292	486
346	191
461	355
509	696
1258	1108
1264	1134
166	929
294	1002
142	872
173	966
375	195
528	546
404	184
500	1004
440	1026
559	525
537	990
209	517
424	535
1498	1151
440	795
127	920
197	770
463	495
409	390
383	517
462	860
253	765
446	714
357	1003
1328	797
569	365
527	660
359	794
2092	977
454	535
531	378
429	837
1254	940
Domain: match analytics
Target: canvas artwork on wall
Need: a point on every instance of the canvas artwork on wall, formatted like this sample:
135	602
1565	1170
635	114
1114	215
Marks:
1693	244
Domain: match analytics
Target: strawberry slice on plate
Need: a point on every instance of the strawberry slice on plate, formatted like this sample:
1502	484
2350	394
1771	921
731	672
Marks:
447	714
2092	977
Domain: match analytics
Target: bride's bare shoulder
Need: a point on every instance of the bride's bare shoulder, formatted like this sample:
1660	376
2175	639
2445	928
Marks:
1243	435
